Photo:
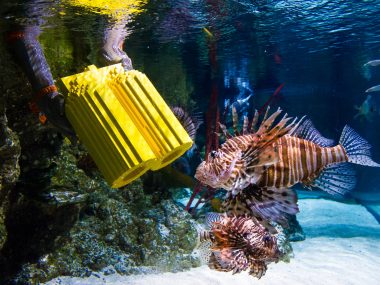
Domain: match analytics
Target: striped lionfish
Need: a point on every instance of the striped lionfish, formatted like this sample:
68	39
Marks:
257	167
238	244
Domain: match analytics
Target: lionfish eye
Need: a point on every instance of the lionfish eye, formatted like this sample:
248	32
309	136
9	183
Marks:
267	238
213	154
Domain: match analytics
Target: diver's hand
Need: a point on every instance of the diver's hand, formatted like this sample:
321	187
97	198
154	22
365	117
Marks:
53	106
126	62
113	55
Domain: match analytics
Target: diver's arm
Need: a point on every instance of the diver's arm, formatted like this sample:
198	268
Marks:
28	52
24	45
113	40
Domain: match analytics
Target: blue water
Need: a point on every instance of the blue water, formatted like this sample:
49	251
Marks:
239	50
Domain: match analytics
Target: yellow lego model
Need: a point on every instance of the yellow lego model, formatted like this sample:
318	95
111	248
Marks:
123	122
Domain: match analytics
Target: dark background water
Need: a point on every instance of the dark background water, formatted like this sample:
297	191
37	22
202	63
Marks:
317	49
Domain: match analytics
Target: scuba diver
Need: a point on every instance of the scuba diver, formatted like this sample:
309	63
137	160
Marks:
22	40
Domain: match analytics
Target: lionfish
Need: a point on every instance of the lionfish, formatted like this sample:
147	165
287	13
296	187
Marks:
257	168
237	243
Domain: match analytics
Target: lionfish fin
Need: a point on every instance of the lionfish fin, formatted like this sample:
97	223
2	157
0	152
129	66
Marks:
225	132
266	113
214	263
229	259
252	127
336	179
263	151
235	121
245	126
265	157
308	132
272	203
357	148
237	206
295	125
257	269
212	218
267	123
189	122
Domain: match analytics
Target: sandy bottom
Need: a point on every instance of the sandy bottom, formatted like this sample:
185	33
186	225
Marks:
342	246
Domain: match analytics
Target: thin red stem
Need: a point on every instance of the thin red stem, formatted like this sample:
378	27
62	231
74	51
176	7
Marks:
271	98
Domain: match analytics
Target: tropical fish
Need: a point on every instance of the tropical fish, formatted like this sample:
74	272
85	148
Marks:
368	109
373	62
238	243
367	70
373	89
258	167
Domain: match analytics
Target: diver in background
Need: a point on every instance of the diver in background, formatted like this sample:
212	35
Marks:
22	40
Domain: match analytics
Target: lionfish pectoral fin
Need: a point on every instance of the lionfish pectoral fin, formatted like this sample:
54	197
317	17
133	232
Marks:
221	259
237	206
336	179
214	264
211	218
261	157
308	132
258	269
273	204
265	204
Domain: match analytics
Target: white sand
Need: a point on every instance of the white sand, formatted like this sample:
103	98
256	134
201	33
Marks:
342	247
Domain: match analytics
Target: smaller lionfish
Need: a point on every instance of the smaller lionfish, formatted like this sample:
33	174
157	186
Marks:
257	168
238	244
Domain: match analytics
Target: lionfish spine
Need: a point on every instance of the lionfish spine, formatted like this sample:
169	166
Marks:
205	236
300	160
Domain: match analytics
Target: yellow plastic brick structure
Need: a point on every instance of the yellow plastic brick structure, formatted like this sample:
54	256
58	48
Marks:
116	9
123	121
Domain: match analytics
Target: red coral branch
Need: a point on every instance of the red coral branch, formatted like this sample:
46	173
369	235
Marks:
212	129
271	98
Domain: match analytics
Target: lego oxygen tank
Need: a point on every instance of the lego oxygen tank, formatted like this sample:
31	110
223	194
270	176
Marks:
123	122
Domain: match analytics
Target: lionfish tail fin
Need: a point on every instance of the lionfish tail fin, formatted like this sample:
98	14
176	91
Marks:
357	148
336	179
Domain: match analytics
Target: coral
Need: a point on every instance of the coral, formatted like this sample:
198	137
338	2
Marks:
10	170
105	230
294	230
10	151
